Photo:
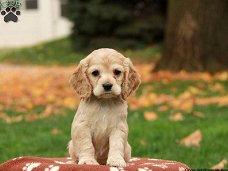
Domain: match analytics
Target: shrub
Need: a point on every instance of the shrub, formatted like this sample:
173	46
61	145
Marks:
116	23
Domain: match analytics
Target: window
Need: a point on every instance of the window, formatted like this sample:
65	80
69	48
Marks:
63	7
31	4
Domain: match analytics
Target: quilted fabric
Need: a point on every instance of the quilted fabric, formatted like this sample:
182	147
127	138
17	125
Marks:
62	164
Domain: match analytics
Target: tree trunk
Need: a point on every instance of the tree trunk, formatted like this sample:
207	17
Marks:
196	36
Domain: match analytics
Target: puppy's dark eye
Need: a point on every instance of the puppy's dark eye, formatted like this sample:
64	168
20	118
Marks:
117	72
95	73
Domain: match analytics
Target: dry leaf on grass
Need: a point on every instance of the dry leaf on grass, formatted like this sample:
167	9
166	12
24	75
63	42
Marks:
198	114
31	117
223	101
163	108
55	131
9	119
186	105
194	90
220	165
150	116
143	142
217	87
193	139
176	117
222	76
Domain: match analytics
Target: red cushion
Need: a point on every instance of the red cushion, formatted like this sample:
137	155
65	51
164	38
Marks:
60	164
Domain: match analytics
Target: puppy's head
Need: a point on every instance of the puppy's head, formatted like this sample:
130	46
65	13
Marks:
105	73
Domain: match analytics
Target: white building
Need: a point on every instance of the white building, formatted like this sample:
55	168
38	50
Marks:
40	20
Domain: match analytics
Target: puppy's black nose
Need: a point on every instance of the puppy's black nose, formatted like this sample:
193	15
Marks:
107	86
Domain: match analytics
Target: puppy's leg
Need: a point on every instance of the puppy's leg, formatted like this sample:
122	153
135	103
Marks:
72	152
117	141
83	147
127	153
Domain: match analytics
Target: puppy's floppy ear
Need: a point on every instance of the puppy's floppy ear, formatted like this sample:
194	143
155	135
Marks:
131	79
80	81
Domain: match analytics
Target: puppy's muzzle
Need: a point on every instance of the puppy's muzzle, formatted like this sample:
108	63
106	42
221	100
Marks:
107	86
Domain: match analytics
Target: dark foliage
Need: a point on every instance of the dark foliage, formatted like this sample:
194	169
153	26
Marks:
116	23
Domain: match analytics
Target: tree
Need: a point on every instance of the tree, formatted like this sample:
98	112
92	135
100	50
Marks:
116	23
196	37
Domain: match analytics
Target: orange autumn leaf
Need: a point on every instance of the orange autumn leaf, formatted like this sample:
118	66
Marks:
217	87
186	105
220	165
55	131
223	101
70	102
198	114
222	76
176	117
150	116
4	116
147	90
31	117
163	108
193	139
9	119
194	90
14	119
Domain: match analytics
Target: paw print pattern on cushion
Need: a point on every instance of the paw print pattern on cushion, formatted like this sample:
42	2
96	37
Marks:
117	169
30	166
10	14
52	168
144	169
16	158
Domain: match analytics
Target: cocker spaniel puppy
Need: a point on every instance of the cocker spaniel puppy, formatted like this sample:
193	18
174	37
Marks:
99	133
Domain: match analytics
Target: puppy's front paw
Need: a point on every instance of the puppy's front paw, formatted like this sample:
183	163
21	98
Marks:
88	161
114	161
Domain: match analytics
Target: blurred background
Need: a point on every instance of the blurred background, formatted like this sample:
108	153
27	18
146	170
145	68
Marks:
180	48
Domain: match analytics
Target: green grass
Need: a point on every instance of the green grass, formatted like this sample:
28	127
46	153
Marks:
177	87
60	52
50	53
157	139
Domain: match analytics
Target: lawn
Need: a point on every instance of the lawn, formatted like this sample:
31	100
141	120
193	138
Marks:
59	52
35	120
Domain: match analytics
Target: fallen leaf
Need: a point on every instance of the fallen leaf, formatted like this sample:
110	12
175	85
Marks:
194	90
163	108
223	76
147	89
10	120
198	114
4	116
143	142
70	102
185	95
217	87
55	131
186	104
176	117
193	139
14	119
223	101
220	165
47	111
31	117
150	116
200	85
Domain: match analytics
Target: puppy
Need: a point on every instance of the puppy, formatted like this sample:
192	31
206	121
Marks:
99	133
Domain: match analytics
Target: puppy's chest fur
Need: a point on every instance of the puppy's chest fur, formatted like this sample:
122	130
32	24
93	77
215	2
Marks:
101	118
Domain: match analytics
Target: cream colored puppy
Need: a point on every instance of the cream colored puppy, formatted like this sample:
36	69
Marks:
99	133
